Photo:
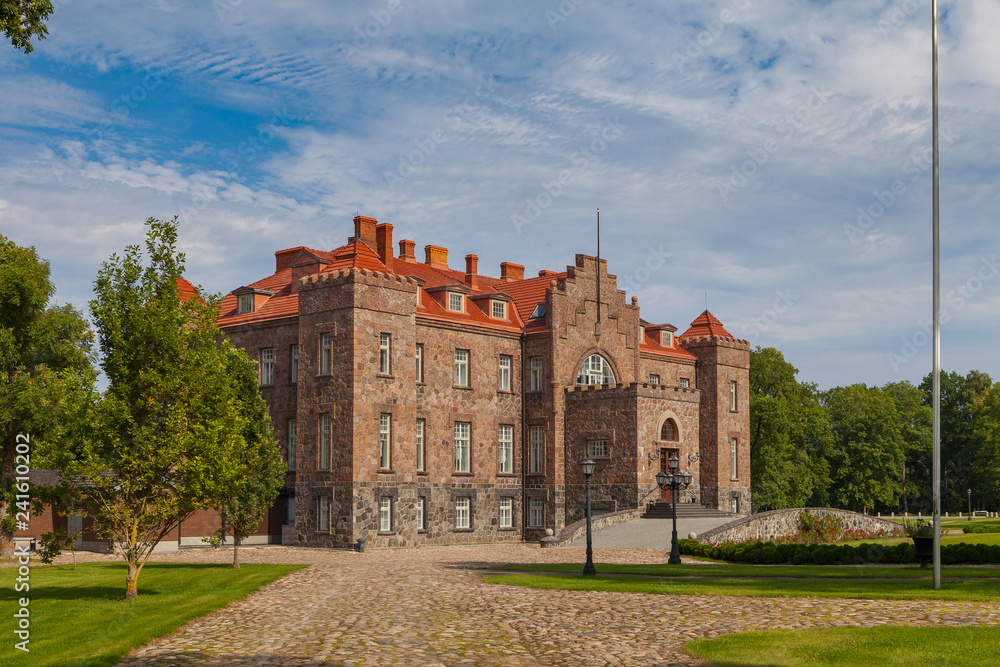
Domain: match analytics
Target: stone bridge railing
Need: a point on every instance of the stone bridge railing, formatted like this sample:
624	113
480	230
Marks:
780	523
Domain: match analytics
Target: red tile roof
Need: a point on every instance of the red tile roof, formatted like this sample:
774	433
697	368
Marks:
185	289
706	324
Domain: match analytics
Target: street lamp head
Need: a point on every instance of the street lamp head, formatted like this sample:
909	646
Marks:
588	465
662	478
673	463
687	477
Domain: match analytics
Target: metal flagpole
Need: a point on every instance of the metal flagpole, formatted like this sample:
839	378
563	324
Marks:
598	270
936	242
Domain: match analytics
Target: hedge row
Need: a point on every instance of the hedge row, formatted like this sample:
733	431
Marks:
769	553
980	529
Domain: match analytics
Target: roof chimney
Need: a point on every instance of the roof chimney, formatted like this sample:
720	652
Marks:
436	256
364	230
383	239
406	250
511	272
471	265
545	273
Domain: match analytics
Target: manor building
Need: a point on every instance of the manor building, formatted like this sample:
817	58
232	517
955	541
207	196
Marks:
418	404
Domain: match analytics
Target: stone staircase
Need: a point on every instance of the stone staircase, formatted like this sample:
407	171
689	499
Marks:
662	510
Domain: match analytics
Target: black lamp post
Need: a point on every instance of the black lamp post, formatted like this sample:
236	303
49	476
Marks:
675	481
589	465
969	491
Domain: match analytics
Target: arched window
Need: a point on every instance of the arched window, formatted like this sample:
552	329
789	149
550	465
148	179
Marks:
669	431
595	370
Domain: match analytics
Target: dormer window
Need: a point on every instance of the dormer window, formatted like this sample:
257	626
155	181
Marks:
668	339
455	302
246	303
499	310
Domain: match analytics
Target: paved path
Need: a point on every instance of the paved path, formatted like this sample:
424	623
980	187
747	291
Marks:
426	607
647	533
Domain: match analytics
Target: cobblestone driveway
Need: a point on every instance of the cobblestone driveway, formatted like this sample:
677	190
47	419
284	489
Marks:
424	607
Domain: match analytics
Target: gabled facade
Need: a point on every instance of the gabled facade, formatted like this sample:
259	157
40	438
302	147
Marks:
417	404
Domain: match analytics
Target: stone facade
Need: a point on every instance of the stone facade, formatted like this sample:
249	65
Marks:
782	523
496	390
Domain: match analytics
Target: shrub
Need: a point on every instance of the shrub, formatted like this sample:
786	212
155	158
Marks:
981	529
831	554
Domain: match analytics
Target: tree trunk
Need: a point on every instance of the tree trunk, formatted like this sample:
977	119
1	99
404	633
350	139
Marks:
132	581
6	538
236	552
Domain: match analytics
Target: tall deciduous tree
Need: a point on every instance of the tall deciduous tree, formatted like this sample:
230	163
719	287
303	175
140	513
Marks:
789	434
915	428
159	442
866	459
45	366
987	456
20	20
261	471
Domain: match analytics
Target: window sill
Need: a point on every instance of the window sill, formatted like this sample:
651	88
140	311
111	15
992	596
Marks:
386	532
385	376
506	529
463	474
421	531
464	387
507	474
463	530
423	473
386	471
421	383
504	391
536	474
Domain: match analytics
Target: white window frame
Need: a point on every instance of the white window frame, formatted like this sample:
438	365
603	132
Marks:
293	441
463	513
385	354
245	303
293	369
385	514
463	446
667	339
499	309
536	512
685	383
421	513
421	430
456	299
324	441
595	370
505	364
654	379
598	449
419	367
733	396
505	515
537	367
536	450
267	366
323	521
505	449
462	368
734	444
385	441
325	354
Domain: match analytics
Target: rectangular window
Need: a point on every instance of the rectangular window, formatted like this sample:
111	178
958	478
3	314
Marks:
384	347
732	395
536	512
597	448
506	513
505	445
505	363
462	431
462	506
293	442
421	461
499	310
421	513
455	301
385	514
267	366
324	354
293	371
462	368
384	441
685	383
654	379
536	374
733	444
290	511
536	451
324	514
246	303
668	339
324	441
420	362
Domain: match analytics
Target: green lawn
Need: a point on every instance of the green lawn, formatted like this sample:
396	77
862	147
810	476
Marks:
968	538
883	646
80	617
736	571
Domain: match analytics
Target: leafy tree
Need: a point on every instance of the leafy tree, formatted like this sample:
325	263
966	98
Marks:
987	432
20	20
158	444
46	364
866	459
915	428
789	433
261	470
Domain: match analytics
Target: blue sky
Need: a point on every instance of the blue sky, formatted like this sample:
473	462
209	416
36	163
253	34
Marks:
769	154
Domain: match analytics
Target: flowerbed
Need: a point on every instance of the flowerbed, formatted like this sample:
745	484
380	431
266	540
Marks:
823	529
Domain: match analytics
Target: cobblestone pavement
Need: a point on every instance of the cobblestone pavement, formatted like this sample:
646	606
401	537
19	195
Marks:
425	607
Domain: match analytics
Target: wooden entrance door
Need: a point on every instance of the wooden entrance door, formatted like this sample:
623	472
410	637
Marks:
666	495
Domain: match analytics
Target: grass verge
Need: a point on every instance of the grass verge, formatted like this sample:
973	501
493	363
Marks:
80	617
736	571
882	646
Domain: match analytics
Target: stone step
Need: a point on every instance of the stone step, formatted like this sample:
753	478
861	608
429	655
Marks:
663	510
